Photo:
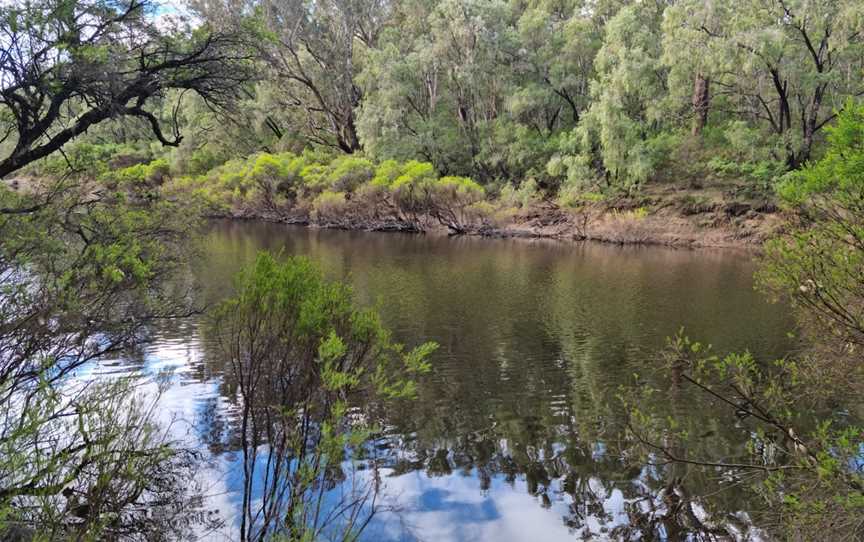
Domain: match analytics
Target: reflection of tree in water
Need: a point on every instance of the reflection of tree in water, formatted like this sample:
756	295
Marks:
536	342
561	444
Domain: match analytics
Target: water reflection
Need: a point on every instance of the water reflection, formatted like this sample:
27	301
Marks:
509	438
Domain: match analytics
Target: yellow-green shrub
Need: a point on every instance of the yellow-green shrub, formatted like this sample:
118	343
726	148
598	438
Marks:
329	206
150	174
347	173
411	190
274	176
386	173
450	198
525	195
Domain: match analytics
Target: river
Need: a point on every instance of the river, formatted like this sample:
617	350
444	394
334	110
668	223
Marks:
509	436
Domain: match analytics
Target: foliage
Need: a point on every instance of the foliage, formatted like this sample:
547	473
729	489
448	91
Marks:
624	114
72	64
347	173
329	207
150	174
411	190
777	66
297	351
451	199
818	264
442	95
82	277
804	448
807	468
526	195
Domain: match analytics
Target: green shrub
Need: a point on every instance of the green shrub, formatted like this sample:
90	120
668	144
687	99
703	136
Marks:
315	178
86	159
450	198
485	212
456	192
201	161
411	190
573	198
273	176
386	173
329	207
762	175
371	195
139	176
347	173
575	173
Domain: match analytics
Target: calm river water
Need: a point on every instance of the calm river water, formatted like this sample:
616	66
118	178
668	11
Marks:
509	436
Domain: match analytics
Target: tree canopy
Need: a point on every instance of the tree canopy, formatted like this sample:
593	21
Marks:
67	65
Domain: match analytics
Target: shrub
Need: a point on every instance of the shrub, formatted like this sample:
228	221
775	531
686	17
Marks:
140	177
411	190
371	196
315	179
526	195
761	175
484	212
272	175
319	351
386	173
577	173
451	197
349	172
456	192
329	207
200	161
573	198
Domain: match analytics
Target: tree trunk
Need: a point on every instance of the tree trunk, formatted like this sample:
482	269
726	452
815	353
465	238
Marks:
347	137
701	103
810	124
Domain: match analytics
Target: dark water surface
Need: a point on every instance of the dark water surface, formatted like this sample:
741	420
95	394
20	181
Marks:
509	437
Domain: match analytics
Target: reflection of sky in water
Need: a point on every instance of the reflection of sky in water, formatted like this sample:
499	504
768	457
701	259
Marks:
453	508
534	337
414	506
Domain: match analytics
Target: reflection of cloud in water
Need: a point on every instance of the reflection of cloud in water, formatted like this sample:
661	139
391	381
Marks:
416	506
536	340
184	406
454	508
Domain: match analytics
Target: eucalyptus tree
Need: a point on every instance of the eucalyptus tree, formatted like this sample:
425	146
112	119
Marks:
311	53
435	94
479	88
625	112
557	52
315	49
785	65
67	65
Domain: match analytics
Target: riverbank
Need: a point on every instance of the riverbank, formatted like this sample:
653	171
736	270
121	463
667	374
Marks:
690	219
665	215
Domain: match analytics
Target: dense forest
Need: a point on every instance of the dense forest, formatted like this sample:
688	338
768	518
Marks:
126	124
315	107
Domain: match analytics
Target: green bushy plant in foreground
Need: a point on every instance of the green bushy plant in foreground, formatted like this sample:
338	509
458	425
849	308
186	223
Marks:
803	409
297	348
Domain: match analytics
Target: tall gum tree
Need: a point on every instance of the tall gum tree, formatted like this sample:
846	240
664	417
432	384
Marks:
67	65
787	65
627	96
311	53
479	88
